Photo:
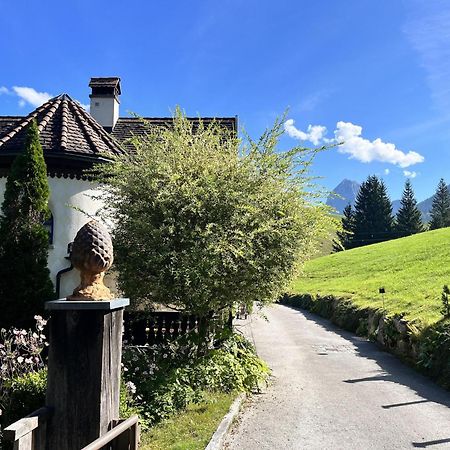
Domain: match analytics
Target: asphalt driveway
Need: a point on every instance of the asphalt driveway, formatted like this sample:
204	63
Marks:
334	390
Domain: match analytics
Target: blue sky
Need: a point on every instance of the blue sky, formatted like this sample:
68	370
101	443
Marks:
370	72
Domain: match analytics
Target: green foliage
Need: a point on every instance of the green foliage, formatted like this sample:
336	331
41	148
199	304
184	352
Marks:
412	269
166	379
409	218
373	221
345	236
440	209
24	277
27	393
445	298
434	352
205	221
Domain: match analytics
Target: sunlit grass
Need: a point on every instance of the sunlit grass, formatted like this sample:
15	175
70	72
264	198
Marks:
191	429
412	270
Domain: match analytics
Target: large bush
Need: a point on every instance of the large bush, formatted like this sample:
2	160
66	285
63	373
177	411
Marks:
205	221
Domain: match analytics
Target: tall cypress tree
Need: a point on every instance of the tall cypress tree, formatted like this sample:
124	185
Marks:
409	218
373	220
440	209
24	277
344	237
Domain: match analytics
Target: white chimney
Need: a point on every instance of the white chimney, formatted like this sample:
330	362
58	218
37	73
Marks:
105	101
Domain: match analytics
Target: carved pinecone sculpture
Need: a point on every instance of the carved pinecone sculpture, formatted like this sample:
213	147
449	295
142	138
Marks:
92	249
92	255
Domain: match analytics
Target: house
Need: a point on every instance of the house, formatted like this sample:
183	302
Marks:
73	140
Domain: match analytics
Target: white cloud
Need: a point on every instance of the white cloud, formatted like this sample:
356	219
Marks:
352	143
31	96
314	133
367	151
4	90
386	171
409	174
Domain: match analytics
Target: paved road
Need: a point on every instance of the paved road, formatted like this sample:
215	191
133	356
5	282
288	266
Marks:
333	390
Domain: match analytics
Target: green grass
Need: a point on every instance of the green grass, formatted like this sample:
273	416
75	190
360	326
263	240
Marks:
412	270
191	429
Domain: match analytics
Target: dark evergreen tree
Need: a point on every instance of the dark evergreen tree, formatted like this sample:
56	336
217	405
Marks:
373	220
440	209
344	237
24	277
409	218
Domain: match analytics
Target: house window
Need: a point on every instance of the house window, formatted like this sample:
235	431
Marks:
48	224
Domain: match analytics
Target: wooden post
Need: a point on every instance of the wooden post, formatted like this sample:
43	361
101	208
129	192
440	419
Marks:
83	387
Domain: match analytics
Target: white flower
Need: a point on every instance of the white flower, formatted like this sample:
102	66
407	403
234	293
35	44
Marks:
20	359
131	387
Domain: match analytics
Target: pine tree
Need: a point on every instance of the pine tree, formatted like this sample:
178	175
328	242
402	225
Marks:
24	277
373	221
409	218
440	210
344	237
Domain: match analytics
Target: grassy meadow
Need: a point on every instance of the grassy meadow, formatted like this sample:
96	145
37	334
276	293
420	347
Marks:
412	270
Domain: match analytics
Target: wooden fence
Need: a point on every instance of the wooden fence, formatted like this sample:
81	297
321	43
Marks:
157	327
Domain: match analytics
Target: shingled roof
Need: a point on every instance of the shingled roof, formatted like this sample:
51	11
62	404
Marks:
65	128
129	127
71	138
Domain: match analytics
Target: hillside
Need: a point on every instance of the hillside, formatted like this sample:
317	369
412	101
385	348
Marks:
412	270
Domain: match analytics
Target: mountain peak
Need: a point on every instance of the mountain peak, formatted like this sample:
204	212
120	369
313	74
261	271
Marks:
347	190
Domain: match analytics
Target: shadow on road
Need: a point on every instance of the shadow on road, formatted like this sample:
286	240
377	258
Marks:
392	370
430	443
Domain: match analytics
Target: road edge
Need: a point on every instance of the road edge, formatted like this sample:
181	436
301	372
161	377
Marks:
218	438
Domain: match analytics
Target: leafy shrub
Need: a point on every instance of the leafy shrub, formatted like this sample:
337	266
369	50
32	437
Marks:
445	298
167	378
206	221
434	352
21	372
27	393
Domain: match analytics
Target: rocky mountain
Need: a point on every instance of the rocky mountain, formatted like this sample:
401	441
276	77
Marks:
347	191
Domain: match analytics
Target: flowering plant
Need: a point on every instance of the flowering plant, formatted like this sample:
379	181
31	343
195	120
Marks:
20	354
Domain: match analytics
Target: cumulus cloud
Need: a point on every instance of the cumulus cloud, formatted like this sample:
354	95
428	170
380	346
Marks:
349	136
386	171
409	174
31	96
4	90
314	133
367	151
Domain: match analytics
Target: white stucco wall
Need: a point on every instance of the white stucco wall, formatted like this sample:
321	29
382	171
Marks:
65	194
105	110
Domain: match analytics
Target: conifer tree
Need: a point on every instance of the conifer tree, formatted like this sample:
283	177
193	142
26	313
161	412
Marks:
344	237
24	277
373	220
409	218
440	209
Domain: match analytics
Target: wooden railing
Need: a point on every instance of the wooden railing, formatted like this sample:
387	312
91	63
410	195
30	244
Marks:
157	327
29	433
124	436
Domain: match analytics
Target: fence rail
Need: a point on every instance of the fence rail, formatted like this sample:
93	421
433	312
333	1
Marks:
124	436
29	432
